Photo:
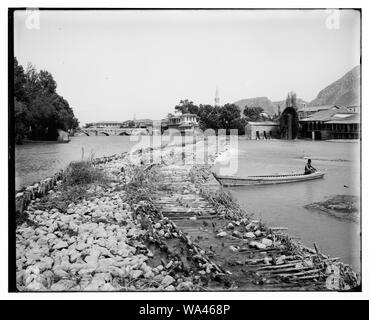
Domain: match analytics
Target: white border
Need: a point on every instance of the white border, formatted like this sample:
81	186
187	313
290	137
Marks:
180	295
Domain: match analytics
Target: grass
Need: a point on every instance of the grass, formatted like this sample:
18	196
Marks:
61	199
82	173
142	185
76	180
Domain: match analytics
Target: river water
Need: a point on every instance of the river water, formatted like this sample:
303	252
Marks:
37	161
283	204
277	205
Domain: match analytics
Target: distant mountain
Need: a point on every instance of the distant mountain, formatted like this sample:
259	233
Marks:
269	106
262	102
344	91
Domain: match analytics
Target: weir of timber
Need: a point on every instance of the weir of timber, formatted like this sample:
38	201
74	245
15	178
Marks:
281	264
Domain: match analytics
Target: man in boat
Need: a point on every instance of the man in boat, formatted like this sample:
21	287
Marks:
309	168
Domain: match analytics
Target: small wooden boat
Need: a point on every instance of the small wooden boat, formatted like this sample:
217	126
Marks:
232	181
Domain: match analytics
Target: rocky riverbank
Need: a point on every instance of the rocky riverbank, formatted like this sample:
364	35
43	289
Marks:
112	238
112	235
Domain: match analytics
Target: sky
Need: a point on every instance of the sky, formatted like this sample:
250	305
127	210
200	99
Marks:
114	65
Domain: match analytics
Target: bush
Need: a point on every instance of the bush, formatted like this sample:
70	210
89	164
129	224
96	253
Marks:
82	172
61	199
142	185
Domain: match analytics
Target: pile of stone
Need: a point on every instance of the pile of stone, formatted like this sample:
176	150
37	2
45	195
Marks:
100	243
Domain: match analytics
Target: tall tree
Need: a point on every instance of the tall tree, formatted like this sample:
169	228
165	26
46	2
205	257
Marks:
19	82
291	100
230	118
253	113
39	110
186	106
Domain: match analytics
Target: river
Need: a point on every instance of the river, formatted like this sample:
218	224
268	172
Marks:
277	205
37	161
283	204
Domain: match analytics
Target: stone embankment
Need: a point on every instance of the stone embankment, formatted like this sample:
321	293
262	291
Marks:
165	226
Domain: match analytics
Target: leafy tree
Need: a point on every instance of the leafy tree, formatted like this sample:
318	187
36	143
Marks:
228	113
208	117
19	82
253	113
21	115
186	106
230	118
239	124
38	109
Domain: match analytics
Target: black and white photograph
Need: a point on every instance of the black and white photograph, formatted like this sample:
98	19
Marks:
185	150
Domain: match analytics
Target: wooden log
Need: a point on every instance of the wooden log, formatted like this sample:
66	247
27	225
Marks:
288	270
280	266
298	274
263	259
310	277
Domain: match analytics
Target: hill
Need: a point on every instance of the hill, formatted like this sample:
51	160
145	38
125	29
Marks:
269	106
344	91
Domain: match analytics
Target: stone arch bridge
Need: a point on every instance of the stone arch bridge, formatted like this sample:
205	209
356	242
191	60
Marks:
112	131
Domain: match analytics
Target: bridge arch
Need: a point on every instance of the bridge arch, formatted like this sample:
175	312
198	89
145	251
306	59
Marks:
105	133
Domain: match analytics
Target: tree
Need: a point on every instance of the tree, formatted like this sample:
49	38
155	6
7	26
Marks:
39	110
47	82
253	113
208	117
186	106
239	124
19	82
21	115
291	100
228	113
230	118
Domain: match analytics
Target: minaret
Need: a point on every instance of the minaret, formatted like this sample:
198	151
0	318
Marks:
216	100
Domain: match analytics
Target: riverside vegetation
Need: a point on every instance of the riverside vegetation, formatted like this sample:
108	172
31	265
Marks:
39	111
106	226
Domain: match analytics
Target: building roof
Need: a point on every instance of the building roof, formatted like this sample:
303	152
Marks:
263	123
108	122
188	115
326	115
317	108
352	118
189	125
